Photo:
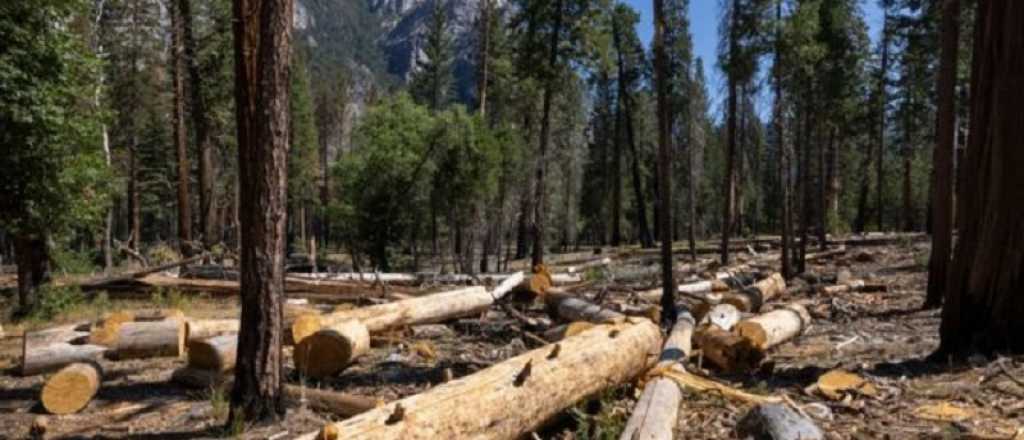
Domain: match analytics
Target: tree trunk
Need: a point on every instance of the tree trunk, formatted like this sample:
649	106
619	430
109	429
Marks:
263	30
882	98
485	53
729	205
983	300
616	175
203	134
477	406
626	115
178	130
134	208
33	257
942	158
657	411
669	312
545	137
779	121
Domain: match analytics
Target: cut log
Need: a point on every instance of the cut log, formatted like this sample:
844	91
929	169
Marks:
105	333
71	388
148	339
216	353
201	379
775	327
534	285
570	308
775	421
694	288
727	351
724	316
853	286
826	254
334	402
656	412
199	329
563	331
52	357
330	350
429	309
751	298
513	398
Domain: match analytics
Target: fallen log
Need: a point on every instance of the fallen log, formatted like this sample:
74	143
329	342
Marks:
775	421
54	356
656	412
727	351
557	333
750	299
108	330
199	329
146	339
215	354
429	309
570	308
97	284
330	350
841	250
335	402
513	398
71	388
853	286
775	327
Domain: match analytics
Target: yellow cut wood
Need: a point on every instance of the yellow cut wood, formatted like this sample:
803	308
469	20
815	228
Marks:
71	389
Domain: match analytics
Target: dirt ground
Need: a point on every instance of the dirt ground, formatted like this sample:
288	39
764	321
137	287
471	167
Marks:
883	337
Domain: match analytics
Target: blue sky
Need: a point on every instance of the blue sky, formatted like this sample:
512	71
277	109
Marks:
704	18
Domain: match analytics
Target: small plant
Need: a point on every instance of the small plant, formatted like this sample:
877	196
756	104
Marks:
171	298
162	254
54	301
601	419
72	261
218	403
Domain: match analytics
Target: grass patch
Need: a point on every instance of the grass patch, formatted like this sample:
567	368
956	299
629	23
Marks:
171	298
64	303
603	418
219	403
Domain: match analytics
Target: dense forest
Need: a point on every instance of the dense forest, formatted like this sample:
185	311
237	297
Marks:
282	139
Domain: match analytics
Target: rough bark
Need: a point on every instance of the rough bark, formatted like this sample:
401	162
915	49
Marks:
577	367
570	308
729	205
942	157
71	388
983	300
883	95
33	257
39	359
626	106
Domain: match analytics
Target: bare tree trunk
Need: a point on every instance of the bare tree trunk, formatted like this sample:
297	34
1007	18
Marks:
822	190
983	300
33	259
263	30
883	98
942	158
485	53
545	136
729	206
616	175
203	134
779	122
134	210
668	283
180	136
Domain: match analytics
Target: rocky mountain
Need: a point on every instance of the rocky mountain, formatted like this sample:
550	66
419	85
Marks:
386	37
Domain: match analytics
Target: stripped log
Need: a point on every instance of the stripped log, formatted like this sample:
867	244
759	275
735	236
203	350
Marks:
334	402
826	254
54	356
570	308
656	412
216	353
330	350
199	329
727	351
105	333
563	331
853	286
513	398
775	327
148	339
71	388
429	309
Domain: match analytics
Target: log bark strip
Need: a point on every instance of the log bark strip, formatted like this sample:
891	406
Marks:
515	397
570	308
71	388
655	414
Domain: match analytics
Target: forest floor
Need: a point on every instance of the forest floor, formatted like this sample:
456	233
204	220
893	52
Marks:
882	337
